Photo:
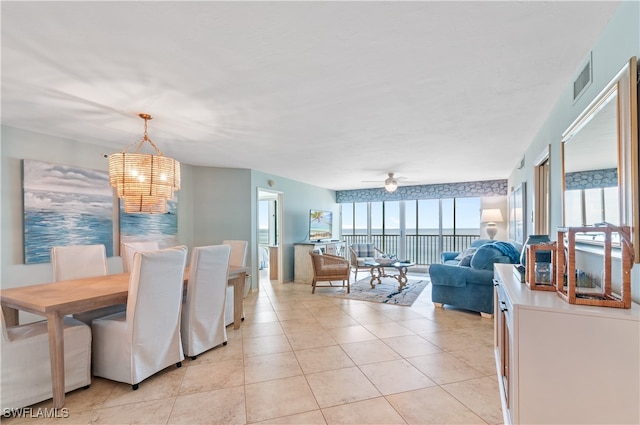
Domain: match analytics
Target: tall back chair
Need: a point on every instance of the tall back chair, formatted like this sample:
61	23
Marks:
238	259
128	249
80	261
202	325
129	347
26	369
238	252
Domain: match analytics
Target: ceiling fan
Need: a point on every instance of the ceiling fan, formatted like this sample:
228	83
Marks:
390	183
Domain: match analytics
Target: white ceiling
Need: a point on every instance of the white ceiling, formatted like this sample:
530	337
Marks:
328	93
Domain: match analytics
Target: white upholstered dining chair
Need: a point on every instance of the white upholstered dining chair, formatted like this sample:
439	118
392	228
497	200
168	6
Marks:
238	259
80	261
26	370
202	325
133	345
129	248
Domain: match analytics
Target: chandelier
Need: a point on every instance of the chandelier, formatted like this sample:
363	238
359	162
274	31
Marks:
144	181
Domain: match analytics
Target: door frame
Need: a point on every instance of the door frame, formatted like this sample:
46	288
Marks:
263	194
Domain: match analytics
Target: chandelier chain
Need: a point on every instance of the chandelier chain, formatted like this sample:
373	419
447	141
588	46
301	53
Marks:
145	137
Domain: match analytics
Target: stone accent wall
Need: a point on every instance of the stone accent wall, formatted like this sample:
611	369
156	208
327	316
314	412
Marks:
591	179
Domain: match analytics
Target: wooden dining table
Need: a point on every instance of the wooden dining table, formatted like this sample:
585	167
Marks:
56	299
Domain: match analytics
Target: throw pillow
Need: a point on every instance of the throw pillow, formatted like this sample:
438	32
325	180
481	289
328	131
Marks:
466	261
465	253
485	257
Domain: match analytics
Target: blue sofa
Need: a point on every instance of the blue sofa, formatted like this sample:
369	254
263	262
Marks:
465	279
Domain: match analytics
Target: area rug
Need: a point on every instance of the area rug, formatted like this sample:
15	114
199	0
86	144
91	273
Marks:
384	292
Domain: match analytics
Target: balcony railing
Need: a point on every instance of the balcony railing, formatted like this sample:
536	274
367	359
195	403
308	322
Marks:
422	249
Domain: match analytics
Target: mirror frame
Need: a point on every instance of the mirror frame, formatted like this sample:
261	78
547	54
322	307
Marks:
625	84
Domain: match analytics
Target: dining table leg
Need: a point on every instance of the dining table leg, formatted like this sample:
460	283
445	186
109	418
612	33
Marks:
238	295
11	316
56	354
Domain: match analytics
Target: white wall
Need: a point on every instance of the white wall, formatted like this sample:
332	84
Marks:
619	41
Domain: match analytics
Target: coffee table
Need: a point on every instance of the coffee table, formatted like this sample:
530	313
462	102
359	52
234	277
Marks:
377	272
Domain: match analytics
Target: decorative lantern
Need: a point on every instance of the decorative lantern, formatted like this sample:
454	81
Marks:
595	295
541	266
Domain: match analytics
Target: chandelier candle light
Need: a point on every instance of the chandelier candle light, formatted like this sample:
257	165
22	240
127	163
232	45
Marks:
144	181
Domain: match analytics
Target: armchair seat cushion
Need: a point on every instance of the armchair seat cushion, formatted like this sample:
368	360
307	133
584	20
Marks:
362	260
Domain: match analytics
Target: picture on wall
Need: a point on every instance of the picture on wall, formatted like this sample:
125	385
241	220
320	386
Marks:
161	228
65	205
517	210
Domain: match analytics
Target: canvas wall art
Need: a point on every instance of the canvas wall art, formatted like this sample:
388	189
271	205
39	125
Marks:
161	228
65	205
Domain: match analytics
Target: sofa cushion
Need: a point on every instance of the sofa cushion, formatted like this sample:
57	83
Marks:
466	253
485	256
466	261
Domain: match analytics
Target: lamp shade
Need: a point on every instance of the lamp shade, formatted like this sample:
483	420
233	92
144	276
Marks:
491	215
135	174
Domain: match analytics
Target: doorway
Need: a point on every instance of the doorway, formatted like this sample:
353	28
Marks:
270	226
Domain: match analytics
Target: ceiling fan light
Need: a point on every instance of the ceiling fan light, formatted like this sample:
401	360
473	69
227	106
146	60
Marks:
390	185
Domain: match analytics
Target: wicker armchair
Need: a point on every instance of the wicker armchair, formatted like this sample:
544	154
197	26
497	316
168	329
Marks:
327	268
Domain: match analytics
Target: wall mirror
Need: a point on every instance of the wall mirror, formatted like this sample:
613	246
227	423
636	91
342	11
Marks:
600	159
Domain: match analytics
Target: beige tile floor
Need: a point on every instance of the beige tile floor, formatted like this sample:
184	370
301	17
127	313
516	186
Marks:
308	359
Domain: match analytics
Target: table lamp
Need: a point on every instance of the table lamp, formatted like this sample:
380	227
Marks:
491	216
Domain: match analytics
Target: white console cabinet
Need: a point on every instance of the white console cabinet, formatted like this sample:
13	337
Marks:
302	268
561	363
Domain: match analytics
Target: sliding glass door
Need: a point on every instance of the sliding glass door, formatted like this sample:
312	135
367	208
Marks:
417	230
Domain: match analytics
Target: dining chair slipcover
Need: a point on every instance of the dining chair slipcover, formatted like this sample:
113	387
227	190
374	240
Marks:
202	325
128	249
80	261
26	369
238	259
133	345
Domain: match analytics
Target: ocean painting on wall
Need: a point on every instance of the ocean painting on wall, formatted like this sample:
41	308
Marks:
161	228
65	205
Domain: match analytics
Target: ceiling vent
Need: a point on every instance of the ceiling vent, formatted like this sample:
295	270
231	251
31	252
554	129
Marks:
584	79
